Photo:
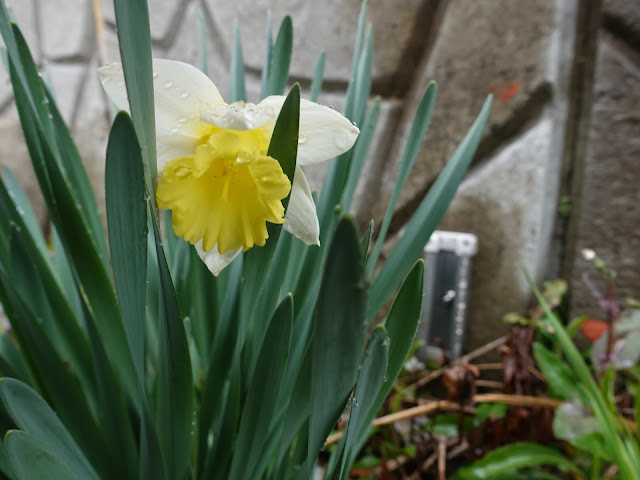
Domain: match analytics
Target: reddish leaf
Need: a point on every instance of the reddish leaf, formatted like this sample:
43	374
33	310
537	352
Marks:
593	329
505	91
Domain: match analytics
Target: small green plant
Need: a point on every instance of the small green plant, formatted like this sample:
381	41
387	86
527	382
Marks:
604	443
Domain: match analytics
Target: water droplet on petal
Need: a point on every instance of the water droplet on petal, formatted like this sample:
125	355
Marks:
267	110
182	120
168	84
221	109
302	138
184	94
342	140
182	172
155	74
174	130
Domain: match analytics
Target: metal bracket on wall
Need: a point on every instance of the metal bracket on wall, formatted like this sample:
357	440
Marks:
447	273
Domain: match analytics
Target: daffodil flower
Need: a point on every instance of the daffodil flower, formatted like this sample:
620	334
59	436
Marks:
214	173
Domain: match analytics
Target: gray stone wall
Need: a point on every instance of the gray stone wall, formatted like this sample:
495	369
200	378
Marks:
563	128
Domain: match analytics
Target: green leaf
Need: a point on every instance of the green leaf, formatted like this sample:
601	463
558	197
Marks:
418	131
351	94
356	99
175	400
366	240
572	423
23	207
316	82
35	282
513	457
623	447
127	222
132	21
360	153
560	379
284	141
254	445
267	59
64	271
339	333
401	326
30	458
363	79
281	58
370	379
203	43
32	415
54	380
12	363
77	179
426	218
237	89
89	264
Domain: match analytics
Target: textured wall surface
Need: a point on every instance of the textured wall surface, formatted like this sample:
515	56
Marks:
564	126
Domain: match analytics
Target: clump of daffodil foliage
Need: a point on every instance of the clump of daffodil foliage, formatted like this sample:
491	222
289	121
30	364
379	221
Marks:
132	354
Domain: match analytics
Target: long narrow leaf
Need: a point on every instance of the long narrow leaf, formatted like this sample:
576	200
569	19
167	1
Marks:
360	153
266	69
427	217
30	458
132	19
175	388
339	333
318	74
127	222
281	58
237	89
253	446
32	415
414	141
370	379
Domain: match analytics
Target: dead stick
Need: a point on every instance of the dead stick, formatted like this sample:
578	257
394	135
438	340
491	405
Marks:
461	361
428	408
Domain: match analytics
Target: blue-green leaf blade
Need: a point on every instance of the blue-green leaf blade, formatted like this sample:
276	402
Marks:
281	58
175	399
427	217
418	131
318	75
32	415
237	90
30	458
127	225
132	20
339	333
253	447
370	379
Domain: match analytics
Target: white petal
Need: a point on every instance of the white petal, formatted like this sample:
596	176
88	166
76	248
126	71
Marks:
181	94
215	261
301	216
174	146
324	133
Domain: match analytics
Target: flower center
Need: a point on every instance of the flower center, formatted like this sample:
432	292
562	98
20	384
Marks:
226	191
